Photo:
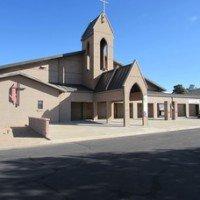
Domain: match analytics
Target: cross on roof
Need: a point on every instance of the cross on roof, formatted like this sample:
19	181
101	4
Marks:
104	5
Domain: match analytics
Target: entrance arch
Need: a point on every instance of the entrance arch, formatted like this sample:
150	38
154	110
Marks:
135	93
135	98
138	93
135	82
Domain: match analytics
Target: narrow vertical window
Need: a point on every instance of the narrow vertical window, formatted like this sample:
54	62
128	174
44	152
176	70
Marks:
88	56
40	104
103	55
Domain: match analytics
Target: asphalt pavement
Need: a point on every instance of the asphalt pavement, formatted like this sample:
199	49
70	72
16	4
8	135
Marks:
156	166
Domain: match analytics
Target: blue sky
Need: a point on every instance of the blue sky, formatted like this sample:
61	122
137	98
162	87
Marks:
164	36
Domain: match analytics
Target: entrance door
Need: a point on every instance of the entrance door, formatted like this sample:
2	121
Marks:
81	111
118	110
150	110
76	111
87	110
139	106
194	110
181	110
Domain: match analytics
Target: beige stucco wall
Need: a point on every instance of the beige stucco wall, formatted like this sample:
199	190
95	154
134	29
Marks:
73	67
183	100
29	96
187	101
67	98
63	70
45	71
114	95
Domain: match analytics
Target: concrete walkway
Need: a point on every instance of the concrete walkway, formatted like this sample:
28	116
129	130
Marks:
23	137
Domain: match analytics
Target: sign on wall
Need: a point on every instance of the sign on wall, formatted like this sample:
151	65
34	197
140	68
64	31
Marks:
14	94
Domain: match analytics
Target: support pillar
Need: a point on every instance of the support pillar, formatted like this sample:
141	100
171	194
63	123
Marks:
187	110
126	109
174	110
145	111
167	110
109	111
95	111
135	110
199	111
155	110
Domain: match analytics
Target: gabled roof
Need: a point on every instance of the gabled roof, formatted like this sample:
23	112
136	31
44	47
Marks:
155	84
41	59
32	78
119	77
89	30
113	79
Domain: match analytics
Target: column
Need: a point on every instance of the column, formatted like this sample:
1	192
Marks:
126	109
187	110
145	110
95	111
109	111
174	110
167	110
131	110
112	110
199	111
155	110
135	110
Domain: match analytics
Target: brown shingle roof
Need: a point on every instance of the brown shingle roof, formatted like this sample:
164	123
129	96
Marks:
89	29
113	79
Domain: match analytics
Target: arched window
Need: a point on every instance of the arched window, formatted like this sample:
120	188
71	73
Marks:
103	55
88	55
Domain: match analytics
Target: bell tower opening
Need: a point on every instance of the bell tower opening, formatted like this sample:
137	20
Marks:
88	56
103	55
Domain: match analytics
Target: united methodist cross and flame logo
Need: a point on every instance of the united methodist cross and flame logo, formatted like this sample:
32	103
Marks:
14	94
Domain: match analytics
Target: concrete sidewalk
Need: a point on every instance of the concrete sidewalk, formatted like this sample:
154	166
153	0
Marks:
23	137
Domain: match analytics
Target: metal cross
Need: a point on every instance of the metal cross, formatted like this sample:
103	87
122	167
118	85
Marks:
104	5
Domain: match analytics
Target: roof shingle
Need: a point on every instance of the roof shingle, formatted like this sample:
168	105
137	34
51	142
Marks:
113	79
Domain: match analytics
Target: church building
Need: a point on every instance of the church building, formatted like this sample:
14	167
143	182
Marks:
87	85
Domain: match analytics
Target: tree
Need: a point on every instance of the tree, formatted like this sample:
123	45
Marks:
179	89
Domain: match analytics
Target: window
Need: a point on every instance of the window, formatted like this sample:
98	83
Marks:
40	104
103	55
88	55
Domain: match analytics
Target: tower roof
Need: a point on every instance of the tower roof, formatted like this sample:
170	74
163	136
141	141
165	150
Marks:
89	30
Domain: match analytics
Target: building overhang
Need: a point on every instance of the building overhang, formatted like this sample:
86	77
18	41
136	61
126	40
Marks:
13	74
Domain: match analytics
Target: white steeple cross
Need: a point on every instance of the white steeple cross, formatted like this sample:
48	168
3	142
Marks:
104	5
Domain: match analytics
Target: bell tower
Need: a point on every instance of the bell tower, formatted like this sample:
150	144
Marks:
97	41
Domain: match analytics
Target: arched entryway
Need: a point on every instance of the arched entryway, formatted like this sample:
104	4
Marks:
135	104
135	99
